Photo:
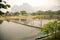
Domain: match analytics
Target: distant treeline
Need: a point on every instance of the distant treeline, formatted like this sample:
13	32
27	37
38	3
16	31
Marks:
39	14
49	12
48	17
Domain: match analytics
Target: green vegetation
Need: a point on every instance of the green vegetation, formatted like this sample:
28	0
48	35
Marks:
52	29
23	12
3	5
40	14
49	12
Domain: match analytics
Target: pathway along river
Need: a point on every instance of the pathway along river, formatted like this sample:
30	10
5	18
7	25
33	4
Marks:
14	31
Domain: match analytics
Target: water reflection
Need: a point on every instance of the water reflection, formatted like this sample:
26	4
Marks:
14	31
1	21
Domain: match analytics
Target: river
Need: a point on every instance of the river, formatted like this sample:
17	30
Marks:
14	31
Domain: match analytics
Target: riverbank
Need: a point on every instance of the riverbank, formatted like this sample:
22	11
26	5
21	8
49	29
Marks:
30	16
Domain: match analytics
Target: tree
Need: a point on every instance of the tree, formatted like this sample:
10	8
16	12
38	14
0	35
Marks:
16	13
58	26
58	12
33	13
47	28
40	12
3	5
23	12
51	27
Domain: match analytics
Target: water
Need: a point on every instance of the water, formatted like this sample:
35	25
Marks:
14	31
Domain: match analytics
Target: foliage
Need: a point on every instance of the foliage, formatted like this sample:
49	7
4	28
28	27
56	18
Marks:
3	5
49	12
1	12
58	12
23	12
53	37
33	13
47	28
53	28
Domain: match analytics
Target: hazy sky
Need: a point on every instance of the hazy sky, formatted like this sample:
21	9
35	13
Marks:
35	3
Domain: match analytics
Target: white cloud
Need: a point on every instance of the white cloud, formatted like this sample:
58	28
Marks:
34	2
